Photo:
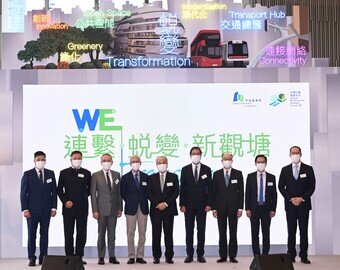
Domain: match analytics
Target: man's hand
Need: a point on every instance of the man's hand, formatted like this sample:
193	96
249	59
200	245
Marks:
297	201
119	214
69	204
183	209
53	213
239	213
95	215
27	214
248	212
214	212
207	208
161	206
272	214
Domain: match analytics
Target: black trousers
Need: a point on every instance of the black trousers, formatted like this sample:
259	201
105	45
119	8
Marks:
260	215
80	220
222	220
158	220
297	215
190	215
32	225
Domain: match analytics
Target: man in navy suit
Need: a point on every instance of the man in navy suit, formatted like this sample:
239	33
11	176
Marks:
297	185
163	189
38	203
228	199
134	193
261	200
195	202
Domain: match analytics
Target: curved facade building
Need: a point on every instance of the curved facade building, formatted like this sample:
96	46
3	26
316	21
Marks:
146	33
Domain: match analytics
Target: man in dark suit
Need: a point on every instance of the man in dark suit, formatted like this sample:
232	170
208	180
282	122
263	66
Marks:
228	198
261	200
38	198
195	202
163	190
297	185
73	190
106	207
134	193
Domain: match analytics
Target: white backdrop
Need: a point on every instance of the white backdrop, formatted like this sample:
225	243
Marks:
168	119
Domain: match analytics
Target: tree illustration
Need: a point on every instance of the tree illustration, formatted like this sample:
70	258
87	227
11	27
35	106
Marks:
32	51
97	36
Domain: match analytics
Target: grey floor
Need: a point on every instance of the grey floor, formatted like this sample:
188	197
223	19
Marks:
318	263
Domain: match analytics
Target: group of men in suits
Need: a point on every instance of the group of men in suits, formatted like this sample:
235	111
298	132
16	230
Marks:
199	192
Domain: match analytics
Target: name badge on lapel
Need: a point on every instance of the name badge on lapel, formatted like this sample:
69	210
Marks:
117	182
270	184
169	184
81	175
144	183
49	181
303	175
204	176
234	181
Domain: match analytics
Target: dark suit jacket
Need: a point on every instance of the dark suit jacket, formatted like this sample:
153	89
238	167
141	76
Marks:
133	196
252	192
36	197
75	186
228	200
303	187
195	196
169	195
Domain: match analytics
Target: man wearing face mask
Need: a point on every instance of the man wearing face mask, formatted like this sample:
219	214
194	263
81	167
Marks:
134	193
163	190
297	185
38	198
106	207
228	198
73	191
195	202
261	200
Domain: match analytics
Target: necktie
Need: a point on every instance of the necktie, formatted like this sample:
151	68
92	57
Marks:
41	177
162	182
227	177
296	172
108	181
137	181
261	189
196	174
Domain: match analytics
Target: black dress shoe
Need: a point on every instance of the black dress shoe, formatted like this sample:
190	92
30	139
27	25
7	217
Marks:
113	260
306	261
221	260
170	261
31	263
83	262
233	260
41	261
141	260
188	259
131	261
156	260
293	260
201	259
101	261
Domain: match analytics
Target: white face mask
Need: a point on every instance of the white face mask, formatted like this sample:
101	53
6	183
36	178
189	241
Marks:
106	165
135	166
195	159
76	163
162	167
40	165
295	158
261	167
227	164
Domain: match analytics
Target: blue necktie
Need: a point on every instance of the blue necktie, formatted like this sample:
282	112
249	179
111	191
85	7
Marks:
41	177
261	189
196	174
227	179
137	181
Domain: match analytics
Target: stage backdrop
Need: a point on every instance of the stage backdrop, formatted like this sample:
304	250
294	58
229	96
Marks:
152	120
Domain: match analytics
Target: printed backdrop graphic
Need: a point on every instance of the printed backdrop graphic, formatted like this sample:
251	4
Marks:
151	120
